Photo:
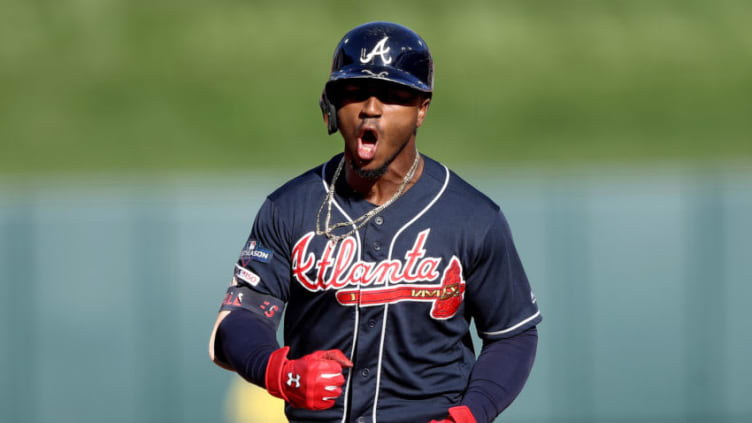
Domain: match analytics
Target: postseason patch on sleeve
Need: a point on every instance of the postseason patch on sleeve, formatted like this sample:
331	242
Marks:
256	252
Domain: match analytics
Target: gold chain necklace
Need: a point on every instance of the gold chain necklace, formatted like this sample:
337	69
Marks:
362	220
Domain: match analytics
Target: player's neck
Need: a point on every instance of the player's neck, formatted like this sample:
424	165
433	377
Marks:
379	191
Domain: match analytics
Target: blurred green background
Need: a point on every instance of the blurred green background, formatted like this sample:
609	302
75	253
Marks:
138	139
102	85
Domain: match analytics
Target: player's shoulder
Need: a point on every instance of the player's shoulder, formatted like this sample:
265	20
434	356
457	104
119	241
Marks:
463	207
459	191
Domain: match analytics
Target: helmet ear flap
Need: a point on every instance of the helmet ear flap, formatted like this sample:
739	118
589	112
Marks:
329	111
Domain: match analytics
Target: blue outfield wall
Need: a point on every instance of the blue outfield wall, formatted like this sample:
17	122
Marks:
110	288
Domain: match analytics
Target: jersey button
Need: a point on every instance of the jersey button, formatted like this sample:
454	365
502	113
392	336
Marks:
365	372
376	246
378	220
361	420
371	323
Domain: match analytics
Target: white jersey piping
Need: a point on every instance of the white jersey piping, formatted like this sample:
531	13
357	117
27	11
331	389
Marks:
386	307
356	308
509	329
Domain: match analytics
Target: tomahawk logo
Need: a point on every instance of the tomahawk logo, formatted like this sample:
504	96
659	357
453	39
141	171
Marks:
445	298
382	74
379	49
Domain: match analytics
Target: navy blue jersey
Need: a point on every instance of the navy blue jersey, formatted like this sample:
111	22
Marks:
397	296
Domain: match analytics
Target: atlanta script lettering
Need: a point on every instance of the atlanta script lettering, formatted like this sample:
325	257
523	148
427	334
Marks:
335	270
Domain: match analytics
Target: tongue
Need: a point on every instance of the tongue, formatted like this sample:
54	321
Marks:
366	150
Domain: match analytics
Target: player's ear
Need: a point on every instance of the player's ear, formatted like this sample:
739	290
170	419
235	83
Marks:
422	110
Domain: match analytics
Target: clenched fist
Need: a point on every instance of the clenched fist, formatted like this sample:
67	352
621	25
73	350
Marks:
312	382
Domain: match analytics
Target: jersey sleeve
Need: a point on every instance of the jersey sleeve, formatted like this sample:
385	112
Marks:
264	262
499	294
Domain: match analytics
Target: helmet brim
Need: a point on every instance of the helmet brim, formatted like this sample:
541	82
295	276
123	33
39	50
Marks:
389	74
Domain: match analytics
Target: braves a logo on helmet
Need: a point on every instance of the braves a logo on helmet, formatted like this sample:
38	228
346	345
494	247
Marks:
386	282
380	49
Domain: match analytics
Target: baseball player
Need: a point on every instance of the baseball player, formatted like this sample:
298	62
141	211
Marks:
380	258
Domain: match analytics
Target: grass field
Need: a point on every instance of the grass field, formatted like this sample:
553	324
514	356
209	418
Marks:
116	85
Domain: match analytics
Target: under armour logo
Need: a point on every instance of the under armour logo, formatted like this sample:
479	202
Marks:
379	49
291	380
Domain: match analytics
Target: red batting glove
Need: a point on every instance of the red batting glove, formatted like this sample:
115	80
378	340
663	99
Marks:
459	414
312	382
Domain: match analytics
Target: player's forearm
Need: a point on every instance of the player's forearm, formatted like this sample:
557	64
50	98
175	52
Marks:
246	343
499	374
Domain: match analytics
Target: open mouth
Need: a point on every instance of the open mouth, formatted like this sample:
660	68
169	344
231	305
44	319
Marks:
367	143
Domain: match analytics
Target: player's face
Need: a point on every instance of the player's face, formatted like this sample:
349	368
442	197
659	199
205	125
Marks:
377	120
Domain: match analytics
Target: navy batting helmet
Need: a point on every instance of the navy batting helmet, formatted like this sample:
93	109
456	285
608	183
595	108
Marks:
379	50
